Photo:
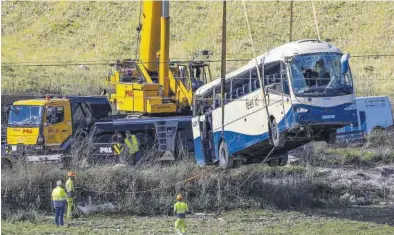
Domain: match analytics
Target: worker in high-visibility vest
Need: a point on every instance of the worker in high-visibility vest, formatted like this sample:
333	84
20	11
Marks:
59	203
70	193
180	210
131	142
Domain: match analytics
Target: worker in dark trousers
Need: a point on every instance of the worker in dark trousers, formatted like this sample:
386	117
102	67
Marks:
59	202
132	145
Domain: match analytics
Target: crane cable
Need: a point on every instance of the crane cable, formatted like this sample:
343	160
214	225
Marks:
258	71
254	56
316	23
139	28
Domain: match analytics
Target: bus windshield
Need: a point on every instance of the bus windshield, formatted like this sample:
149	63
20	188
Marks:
319	74
25	115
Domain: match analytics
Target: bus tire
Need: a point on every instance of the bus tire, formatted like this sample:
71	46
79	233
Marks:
225	160
275	135
283	158
331	137
273	162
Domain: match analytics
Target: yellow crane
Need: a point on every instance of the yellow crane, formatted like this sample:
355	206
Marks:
151	84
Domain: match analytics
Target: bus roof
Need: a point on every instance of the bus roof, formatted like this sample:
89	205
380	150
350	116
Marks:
305	46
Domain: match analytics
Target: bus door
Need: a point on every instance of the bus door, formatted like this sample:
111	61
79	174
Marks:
207	136
202	134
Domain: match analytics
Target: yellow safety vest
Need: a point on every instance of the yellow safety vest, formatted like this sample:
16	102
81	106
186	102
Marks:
180	208
132	145
70	187
58	194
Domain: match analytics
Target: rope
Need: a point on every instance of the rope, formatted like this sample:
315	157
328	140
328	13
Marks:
317	27
255	57
147	191
138	32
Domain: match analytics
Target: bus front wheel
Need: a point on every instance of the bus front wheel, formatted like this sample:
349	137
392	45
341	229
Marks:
225	160
276	138
331	137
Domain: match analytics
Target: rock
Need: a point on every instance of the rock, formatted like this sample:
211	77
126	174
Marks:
117	166
84	164
106	207
345	197
353	199
362	201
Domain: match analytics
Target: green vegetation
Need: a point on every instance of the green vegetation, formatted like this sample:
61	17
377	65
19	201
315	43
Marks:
234	222
54	32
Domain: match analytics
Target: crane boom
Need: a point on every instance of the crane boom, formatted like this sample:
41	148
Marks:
150	85
150	35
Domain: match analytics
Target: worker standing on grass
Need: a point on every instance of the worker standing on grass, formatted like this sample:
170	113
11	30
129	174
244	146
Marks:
70	193
59	202
180	209
131	142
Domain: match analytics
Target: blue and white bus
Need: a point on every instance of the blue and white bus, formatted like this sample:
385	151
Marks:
309	94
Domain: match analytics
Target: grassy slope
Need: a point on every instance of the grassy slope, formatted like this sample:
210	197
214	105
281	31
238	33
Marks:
96	31
235	222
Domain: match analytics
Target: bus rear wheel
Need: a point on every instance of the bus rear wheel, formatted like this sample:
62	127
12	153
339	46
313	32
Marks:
225	160
279	160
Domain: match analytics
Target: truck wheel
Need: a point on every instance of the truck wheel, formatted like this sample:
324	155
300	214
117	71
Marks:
6	164
225	160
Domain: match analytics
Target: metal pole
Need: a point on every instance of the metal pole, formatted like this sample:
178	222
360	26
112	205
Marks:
291	21
223	61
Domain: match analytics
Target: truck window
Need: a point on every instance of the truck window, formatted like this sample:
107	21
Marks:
55	114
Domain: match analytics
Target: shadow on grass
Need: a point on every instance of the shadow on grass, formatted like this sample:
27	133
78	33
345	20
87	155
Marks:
374	214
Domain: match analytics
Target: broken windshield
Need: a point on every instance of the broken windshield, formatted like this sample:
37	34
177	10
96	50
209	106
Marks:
319	75
25	115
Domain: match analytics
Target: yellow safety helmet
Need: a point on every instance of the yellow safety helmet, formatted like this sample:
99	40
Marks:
179	197
70	173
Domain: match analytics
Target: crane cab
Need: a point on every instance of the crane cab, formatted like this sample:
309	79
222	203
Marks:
137	91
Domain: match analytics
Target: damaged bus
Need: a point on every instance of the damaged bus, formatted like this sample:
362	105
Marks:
305	94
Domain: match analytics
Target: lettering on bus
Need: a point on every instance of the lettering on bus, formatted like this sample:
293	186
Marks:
253	102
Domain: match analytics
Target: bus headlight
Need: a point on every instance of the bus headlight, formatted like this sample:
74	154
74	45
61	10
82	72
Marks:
302	110
40	139
350	107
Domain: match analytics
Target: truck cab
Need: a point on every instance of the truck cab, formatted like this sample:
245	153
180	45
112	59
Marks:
45	126
38	125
